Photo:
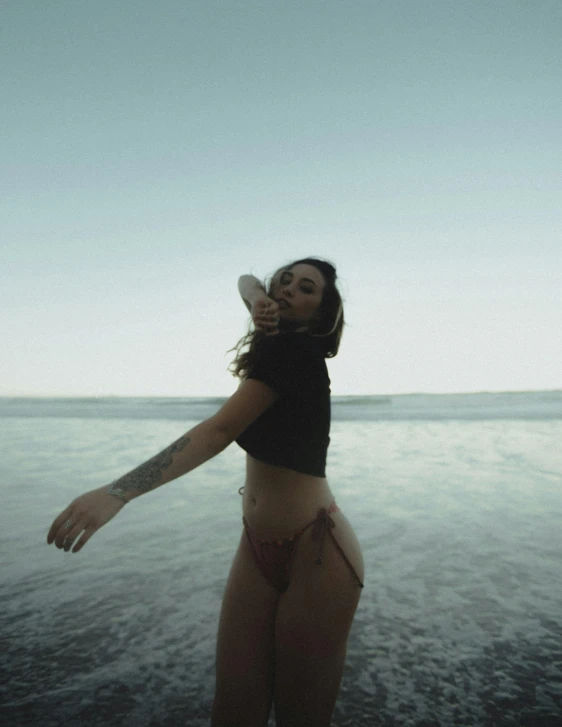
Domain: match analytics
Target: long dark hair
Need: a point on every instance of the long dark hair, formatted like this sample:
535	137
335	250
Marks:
327	326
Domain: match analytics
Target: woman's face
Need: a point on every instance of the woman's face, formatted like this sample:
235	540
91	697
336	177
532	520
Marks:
298	292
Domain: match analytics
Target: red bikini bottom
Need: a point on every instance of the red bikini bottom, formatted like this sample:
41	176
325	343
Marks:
275	557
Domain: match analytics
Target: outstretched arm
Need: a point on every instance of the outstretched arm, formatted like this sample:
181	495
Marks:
89	512
264	310
198	445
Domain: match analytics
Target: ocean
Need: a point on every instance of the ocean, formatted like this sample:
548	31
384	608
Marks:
456	501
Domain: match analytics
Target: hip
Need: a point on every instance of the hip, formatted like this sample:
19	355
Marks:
276	501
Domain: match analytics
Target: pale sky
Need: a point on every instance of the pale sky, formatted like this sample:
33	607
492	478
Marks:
151	152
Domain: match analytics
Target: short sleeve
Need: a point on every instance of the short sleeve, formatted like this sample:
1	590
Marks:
286	363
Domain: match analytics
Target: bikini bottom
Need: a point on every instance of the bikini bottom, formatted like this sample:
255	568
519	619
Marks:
275	557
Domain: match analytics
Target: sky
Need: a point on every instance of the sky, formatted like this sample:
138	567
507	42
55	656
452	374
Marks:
153	152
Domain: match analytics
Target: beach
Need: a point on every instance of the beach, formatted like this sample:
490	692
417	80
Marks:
456	501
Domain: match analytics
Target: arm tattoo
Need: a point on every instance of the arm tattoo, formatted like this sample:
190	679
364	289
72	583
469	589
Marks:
145	476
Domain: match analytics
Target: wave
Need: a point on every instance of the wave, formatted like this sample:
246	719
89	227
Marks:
534	405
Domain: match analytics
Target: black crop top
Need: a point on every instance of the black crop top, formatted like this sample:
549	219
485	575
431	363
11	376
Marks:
295	431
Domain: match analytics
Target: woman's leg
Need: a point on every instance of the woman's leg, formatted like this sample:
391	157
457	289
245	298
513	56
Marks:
313	621
245	646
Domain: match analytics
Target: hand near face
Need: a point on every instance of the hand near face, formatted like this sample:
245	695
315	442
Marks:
265	315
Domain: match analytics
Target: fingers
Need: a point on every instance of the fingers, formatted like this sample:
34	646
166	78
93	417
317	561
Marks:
266	317
267	327
266	307
269	306
67	527
82	518
65	538
68	532
58	523
86	535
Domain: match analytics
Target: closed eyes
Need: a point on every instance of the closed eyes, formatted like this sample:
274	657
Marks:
287	277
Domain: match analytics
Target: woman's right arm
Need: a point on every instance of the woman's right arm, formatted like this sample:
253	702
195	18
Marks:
264	310
89	512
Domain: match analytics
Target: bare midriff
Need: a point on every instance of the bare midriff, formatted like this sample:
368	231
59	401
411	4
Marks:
278	501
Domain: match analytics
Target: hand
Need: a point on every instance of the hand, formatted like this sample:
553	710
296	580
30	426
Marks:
86	513
265	314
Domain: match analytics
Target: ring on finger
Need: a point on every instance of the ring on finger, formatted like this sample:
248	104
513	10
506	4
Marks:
67	525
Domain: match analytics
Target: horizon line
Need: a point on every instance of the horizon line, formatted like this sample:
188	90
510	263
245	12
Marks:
227	396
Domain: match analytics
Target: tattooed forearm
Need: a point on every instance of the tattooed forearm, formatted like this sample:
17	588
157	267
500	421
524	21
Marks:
148	475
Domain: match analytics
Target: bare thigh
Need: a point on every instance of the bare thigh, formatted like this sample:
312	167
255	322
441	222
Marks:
245	646
312	625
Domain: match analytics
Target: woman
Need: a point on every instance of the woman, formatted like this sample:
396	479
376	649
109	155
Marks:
284	621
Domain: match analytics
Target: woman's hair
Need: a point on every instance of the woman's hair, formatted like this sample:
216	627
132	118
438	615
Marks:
326	327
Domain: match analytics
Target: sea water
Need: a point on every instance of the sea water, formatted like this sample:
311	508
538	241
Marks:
456	501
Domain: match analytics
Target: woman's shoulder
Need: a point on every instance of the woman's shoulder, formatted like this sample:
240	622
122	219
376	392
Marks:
288	361
291	345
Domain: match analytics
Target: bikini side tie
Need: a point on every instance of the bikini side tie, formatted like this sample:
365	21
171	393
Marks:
321	525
